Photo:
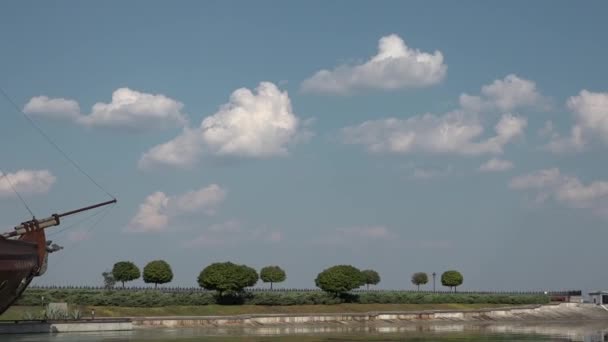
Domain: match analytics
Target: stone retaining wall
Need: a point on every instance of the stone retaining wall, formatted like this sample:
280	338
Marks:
565	311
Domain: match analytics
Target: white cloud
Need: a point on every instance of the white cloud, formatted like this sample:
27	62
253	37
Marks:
257	124
496	165
26	182
504	95
128	109
57	108
564	189
233	232
452	133
395	66
591	121
155	214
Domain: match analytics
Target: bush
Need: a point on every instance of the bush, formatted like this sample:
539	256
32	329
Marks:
151	298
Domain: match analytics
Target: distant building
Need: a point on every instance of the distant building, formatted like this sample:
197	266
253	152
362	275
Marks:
599	297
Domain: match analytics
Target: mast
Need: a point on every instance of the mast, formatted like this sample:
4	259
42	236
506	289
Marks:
51	221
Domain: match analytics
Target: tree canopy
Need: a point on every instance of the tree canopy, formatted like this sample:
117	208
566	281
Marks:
371	277
451	279
272	274
108	280
227	277
420	278
340	279
158	272
124	271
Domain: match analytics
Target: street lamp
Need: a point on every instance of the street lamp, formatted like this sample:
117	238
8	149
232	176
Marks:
434	274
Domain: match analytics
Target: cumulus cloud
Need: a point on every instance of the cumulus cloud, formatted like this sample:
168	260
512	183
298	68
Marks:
129	109
57	108
564	189
158	209
452	133
233	232
395	66
258	124
504	95
496	165
591	122
26	182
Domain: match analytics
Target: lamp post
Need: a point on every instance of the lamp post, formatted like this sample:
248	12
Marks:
434	274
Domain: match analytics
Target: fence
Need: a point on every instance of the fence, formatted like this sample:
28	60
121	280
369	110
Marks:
167	289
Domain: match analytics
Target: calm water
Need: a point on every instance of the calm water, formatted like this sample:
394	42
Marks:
597	332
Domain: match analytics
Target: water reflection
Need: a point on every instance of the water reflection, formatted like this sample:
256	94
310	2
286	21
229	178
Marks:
573	331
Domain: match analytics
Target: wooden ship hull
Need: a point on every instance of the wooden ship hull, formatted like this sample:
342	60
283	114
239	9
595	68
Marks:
24	253
19	264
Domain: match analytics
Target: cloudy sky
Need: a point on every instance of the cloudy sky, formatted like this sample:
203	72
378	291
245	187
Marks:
399	136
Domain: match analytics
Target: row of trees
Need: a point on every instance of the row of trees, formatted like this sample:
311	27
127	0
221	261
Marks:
160	272
230	278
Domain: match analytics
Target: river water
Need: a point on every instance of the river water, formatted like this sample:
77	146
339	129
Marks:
573	331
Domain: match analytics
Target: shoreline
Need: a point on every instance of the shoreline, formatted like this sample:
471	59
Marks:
530	313
551	313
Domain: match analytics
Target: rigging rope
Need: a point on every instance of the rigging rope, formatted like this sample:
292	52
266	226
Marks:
59	231
52	143
8	180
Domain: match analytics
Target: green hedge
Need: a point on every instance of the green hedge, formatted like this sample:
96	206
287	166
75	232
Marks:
158	299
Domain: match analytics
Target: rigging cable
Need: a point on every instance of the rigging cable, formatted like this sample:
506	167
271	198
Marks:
52	143
76	244
8	180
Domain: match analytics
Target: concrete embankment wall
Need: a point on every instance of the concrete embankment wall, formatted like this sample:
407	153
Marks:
62	327
565	312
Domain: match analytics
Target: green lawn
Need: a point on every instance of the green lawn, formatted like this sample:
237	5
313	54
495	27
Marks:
19	312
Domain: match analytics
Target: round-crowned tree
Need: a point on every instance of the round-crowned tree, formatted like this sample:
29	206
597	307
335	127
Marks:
158	272
419	278
340	279
227	277
124	271
370	277
272	274
452	279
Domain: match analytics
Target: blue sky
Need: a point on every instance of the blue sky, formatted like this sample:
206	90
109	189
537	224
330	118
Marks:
403	137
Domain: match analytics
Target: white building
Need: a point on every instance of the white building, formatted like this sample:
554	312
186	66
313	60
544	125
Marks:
599	297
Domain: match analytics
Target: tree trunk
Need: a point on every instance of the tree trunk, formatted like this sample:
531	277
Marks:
155	285
270	286
367	287
418	287
123	284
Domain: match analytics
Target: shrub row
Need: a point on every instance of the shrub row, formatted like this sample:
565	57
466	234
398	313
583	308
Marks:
158	299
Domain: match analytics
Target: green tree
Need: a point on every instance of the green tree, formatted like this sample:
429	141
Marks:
420	278
108	280
371	277
340	279
158	272
125	271
452	279
227	278
272	274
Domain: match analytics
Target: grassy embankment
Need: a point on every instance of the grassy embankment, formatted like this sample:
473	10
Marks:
19	312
